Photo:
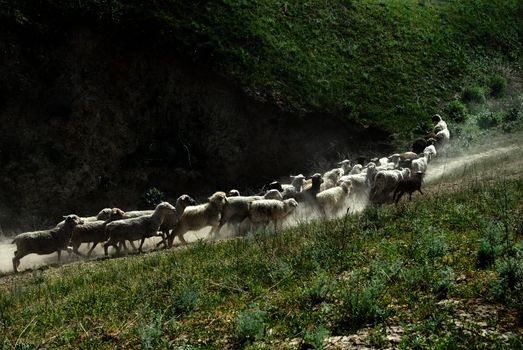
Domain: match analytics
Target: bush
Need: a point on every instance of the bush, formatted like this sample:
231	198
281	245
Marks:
497	85
184	299
487	120
457	111
489	246
473	93
513	115
314	339
248	326
153	197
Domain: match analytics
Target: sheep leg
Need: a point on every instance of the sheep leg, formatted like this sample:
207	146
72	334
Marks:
16	260
75	249
400	194
92	248
419	190
410	196
132	245
141	244
59	252
180	237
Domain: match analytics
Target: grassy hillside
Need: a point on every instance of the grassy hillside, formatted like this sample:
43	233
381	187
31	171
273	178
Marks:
442	271
391	63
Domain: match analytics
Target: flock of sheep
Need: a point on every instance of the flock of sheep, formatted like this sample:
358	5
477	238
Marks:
335	192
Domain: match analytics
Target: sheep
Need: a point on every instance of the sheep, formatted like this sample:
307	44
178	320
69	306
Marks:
237	208
270	210
133	229
170	220
104	214
430	152
45	242
295	187
356	169
386	181
309	195
440	123
330	178
233	193
363	180
419	145
199	216
92	232
332	199
409	186
419	164
442	139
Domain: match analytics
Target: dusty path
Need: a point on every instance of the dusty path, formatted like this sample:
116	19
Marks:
443	173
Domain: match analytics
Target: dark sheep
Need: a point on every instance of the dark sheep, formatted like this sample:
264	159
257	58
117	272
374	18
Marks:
409	185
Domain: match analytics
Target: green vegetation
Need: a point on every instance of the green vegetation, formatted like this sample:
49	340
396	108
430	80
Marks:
390	63
418	266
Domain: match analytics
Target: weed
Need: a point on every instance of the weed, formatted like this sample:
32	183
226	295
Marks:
457	111
474	94
184	299
487	120
314	339
497	85
249	326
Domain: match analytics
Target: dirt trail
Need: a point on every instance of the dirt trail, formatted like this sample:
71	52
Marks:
437	170
450	166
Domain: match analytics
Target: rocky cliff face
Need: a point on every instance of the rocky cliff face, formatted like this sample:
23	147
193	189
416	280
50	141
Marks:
90	121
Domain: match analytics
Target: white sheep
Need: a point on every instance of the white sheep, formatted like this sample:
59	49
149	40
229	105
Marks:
441	124
419	164
237	208
430	152
138	228
386	181
92	232
442	139
295	187
356	169
331	178
332	200
104	214
266	211
200	216
45	242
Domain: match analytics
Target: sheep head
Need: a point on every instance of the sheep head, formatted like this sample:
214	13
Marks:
290	204
218	198
185	201
233	193
73	220
116	214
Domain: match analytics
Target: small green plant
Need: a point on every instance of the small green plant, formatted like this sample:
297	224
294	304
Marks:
151	331
321	286
457	111
153	197
474	93
489	246
487	120
249	326
497	85
512	115
314	339
184	299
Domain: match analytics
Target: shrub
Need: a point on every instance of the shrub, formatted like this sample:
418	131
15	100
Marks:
184	299
473	93
361	306
314	339
512	115
249	326
153	197
487	120
457	111
489	246
497	85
